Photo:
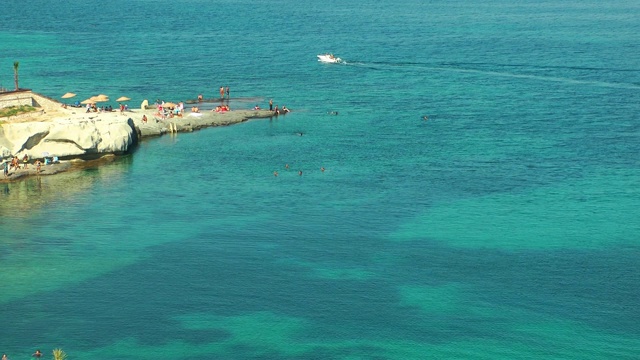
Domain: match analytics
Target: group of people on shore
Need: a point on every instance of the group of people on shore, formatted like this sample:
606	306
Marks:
107	108
224	93
276	110
165	111
170	110
221	108
94	108
14	164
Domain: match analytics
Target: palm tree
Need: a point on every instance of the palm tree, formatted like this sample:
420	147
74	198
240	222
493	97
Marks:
58	354
15	73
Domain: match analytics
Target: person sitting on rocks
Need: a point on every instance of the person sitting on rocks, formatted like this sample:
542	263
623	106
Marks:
221	108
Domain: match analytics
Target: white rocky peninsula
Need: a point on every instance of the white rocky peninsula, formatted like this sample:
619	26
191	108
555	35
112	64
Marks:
74	136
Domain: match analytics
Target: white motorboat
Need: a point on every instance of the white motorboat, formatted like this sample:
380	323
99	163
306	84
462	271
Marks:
329	58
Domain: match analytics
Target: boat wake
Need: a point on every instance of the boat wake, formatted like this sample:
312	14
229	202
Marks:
469	68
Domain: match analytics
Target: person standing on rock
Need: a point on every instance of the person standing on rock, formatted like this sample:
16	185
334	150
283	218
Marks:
221	92
227	93
5	166
270	104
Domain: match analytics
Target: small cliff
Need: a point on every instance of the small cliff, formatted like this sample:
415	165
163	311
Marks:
84	139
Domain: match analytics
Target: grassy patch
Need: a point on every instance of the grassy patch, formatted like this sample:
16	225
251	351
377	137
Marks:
16	110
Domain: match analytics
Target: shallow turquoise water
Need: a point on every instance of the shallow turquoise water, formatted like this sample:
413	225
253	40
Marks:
503	227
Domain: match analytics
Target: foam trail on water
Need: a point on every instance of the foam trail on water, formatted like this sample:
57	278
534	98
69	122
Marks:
424	66
545	78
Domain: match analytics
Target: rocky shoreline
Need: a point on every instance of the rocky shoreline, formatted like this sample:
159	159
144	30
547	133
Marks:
82	140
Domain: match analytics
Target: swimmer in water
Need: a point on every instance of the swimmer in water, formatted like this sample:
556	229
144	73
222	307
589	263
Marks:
300	172
275	173
425	118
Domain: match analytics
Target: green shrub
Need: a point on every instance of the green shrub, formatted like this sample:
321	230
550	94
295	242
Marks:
16	110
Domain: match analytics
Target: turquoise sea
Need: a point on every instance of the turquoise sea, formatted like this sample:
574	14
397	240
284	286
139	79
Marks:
506	226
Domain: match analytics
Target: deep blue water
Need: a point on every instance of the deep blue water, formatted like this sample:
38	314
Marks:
505	226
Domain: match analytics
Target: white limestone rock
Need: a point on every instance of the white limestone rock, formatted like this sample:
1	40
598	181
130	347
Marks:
69	138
